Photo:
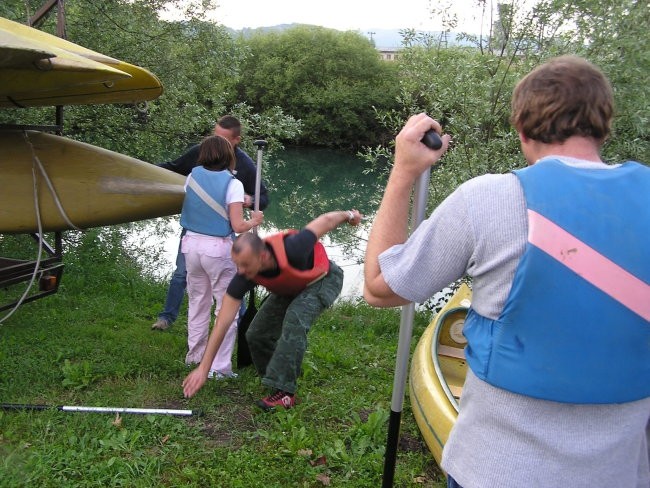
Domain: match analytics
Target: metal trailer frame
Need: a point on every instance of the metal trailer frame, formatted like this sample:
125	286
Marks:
48	271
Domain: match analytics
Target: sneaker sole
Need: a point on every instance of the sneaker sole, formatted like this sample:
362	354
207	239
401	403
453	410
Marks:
160	327
264	406
269	408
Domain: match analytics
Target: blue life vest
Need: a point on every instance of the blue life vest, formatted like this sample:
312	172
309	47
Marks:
575	327
197	215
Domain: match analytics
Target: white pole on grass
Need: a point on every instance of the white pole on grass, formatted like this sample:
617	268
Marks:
75	408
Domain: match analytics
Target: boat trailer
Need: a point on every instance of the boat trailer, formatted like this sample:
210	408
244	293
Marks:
45	273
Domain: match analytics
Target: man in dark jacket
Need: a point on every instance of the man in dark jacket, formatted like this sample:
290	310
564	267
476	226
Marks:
228	127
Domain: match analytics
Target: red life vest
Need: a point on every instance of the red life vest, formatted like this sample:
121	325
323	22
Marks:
291	281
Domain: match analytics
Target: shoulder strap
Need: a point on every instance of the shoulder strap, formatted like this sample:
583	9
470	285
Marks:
203	195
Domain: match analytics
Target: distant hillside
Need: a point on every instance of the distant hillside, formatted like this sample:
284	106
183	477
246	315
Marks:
391	38
383	38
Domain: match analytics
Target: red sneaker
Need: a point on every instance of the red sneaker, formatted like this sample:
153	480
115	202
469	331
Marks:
278	399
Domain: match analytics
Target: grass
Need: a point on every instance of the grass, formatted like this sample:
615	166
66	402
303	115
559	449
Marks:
91	344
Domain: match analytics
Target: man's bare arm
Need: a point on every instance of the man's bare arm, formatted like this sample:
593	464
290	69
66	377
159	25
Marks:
390	226
329	221
195	380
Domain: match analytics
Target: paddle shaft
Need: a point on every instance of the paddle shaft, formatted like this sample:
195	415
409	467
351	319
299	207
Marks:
260	144
243	351
403	346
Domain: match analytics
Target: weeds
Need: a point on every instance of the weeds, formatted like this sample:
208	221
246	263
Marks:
92	345
77	375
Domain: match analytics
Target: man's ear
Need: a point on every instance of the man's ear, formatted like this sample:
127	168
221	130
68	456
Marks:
522	137
267	256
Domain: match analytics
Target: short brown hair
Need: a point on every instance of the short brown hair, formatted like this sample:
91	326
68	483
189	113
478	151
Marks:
566	96
231	123
216	153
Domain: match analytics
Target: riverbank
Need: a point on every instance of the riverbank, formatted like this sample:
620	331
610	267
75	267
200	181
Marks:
90	344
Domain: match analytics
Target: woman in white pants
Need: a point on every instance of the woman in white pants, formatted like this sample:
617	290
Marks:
212	213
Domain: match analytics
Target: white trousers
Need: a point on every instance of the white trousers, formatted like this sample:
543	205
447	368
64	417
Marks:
209	271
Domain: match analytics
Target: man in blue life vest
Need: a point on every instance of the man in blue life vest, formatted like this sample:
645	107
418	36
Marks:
228	127
302	282
558	387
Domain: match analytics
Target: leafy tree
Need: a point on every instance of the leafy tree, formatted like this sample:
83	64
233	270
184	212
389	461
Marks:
614	35
331	80
195	60
469	88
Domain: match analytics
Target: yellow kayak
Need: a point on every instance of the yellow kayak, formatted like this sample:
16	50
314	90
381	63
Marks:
78	185
39	69
438	372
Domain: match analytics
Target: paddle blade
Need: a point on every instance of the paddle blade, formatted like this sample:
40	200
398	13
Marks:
243	352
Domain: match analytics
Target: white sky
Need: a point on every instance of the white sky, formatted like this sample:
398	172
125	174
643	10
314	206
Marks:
359	15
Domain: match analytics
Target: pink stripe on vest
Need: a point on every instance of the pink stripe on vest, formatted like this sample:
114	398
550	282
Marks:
588	263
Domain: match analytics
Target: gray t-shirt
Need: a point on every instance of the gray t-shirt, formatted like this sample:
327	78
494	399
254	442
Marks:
502	439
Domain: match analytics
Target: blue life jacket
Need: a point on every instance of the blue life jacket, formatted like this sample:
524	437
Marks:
575	327
197	215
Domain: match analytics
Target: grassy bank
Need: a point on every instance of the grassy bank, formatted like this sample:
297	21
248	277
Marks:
91	345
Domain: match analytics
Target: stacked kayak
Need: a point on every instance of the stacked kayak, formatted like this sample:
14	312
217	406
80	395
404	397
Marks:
39	69
52	183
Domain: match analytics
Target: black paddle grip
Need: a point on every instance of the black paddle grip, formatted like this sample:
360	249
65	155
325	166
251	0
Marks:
432	140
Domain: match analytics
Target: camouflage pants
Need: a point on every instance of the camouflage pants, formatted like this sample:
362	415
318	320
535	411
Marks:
277	336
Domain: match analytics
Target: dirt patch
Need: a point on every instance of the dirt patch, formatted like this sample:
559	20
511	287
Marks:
227	421
364	414
409	443
175	404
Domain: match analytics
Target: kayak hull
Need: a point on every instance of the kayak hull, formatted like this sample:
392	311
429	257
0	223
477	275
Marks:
40	69
77	185
438	372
